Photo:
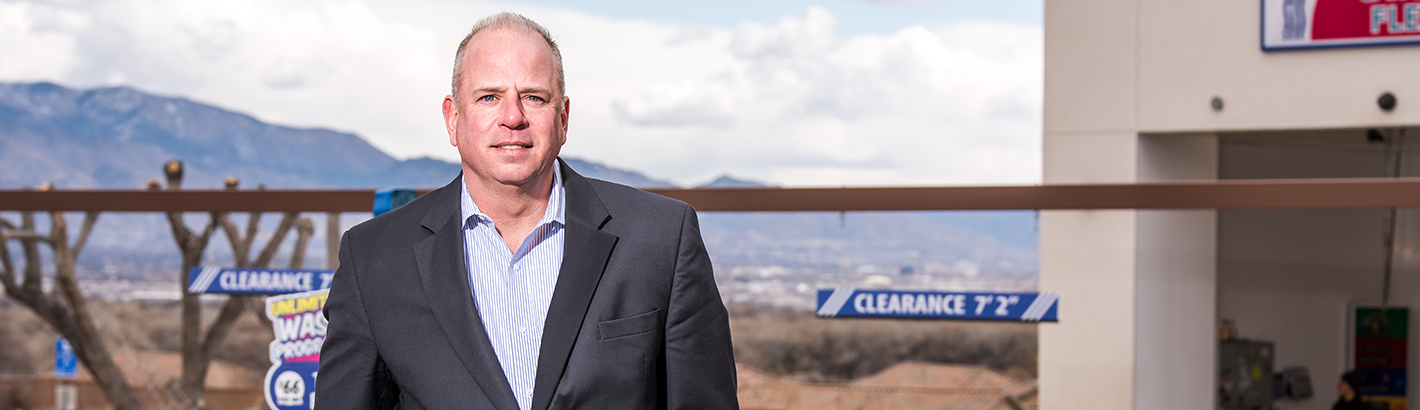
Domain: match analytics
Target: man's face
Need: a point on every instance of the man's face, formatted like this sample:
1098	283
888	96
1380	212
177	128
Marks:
510	121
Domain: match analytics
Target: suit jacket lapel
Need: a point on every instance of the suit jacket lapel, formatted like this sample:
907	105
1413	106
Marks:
586	250
443	272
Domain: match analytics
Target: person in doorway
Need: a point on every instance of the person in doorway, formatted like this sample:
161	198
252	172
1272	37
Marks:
1348	394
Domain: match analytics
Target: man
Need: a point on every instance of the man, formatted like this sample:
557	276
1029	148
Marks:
522	285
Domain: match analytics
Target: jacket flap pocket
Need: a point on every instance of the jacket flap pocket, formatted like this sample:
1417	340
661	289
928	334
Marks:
630	325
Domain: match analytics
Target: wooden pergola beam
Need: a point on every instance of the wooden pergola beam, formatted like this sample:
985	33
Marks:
1231	194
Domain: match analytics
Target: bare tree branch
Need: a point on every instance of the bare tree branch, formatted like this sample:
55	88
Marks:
217	333
241	246
240	251
287	220
64	278
90	218
304	229
55	314
258	309
211	227
7	266
30	247
253	222
29	234
180	232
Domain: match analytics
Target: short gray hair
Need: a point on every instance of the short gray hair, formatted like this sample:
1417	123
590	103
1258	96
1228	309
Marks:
509	20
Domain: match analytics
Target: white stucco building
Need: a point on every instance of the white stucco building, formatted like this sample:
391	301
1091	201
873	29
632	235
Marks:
1128	92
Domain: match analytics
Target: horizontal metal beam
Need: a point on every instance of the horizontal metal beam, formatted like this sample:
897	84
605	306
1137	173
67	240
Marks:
1232	194
320	200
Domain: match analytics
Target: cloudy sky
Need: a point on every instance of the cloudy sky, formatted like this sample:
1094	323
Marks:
790	92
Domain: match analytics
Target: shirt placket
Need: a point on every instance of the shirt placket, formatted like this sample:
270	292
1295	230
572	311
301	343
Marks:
521	287
507	313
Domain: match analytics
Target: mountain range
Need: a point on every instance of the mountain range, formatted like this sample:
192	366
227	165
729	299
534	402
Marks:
119	137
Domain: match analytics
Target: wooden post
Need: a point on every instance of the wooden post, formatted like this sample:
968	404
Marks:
332	240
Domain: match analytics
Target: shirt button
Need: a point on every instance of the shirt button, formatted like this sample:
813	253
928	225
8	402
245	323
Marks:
517	267
522	329
529	391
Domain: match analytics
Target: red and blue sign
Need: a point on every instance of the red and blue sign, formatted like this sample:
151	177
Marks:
912	304
1302	24
1381	340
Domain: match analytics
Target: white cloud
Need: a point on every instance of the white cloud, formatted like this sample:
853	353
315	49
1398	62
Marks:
790	103
792	37
682	105
330	63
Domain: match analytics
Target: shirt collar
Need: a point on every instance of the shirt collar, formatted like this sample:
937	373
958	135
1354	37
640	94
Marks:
556	203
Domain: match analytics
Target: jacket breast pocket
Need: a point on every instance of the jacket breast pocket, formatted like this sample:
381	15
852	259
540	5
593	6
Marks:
630	325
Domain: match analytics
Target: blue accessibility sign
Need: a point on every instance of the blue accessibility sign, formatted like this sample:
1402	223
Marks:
911	304
257	281
66	363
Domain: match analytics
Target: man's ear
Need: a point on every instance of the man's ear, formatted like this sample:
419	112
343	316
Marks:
451	119
566	113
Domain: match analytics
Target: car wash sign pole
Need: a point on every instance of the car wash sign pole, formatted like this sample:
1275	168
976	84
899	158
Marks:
912	304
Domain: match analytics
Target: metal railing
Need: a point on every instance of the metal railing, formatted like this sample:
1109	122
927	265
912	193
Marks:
1229	194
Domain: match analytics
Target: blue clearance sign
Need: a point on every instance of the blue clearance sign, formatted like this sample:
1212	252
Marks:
909	304
257	281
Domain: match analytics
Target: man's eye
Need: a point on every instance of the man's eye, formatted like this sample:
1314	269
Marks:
487	98
536	99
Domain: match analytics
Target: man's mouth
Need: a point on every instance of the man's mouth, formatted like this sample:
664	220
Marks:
512	146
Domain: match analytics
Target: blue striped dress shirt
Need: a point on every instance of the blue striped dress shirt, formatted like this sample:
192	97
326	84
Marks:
513	289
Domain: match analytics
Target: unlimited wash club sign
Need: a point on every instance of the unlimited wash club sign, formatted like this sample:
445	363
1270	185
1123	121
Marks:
1300	24
295	354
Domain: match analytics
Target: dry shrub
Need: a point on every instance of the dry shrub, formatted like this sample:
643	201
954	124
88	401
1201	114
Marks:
14	399
134	325
14	358
787	343
30	345
799	345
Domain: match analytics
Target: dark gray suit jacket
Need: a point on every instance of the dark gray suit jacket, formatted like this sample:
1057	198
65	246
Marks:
635	320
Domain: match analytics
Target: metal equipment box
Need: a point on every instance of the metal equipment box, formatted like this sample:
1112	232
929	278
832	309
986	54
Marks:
1245	379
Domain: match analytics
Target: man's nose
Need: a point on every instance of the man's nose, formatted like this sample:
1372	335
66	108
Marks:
512	116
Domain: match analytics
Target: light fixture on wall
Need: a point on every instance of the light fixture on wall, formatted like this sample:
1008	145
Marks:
1386	101
1216	103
